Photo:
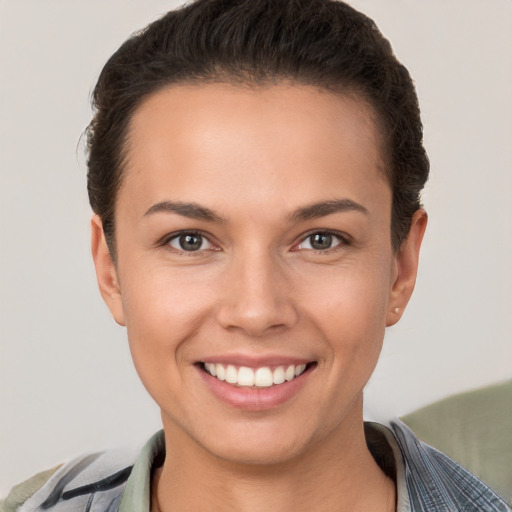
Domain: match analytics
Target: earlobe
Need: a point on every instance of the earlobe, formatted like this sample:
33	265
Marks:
406	262
106	273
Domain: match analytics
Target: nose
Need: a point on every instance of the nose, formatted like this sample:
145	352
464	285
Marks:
257	296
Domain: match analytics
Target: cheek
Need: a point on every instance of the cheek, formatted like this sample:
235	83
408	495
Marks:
162	311
162	302
350	307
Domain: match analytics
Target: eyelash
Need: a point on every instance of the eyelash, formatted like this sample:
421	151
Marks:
343	240
166	241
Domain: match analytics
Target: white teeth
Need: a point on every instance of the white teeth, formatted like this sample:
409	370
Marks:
278	375
299	369
220	371
231	374
245	376
211	368
290	372
261	377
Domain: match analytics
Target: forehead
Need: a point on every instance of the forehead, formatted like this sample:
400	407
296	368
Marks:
225	139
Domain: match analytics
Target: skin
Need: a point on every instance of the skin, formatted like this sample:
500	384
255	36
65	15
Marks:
256	158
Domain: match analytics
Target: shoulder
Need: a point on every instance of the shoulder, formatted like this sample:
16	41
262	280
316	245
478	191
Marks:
435	482
70	486
23	491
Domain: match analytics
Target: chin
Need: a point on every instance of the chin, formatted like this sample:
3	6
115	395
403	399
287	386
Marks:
256	443
259	453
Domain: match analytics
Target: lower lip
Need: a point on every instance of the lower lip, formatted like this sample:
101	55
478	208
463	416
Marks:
253	398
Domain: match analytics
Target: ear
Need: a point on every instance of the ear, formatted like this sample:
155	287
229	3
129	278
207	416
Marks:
106	273
406	268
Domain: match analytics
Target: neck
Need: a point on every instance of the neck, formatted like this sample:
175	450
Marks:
337	474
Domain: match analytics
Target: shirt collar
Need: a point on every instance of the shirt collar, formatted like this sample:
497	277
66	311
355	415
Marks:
137	493
386	452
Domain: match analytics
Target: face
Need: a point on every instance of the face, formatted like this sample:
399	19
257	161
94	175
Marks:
255	273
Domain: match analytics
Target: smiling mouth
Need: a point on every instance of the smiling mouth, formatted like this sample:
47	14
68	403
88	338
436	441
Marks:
262	377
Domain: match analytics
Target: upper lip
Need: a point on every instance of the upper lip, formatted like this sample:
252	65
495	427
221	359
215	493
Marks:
251	361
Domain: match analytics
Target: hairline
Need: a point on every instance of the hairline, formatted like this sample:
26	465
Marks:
239	80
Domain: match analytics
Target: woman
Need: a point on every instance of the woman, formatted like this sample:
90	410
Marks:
255	171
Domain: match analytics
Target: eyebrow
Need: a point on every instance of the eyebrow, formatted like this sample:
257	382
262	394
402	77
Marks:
324	208
190	210
312	211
